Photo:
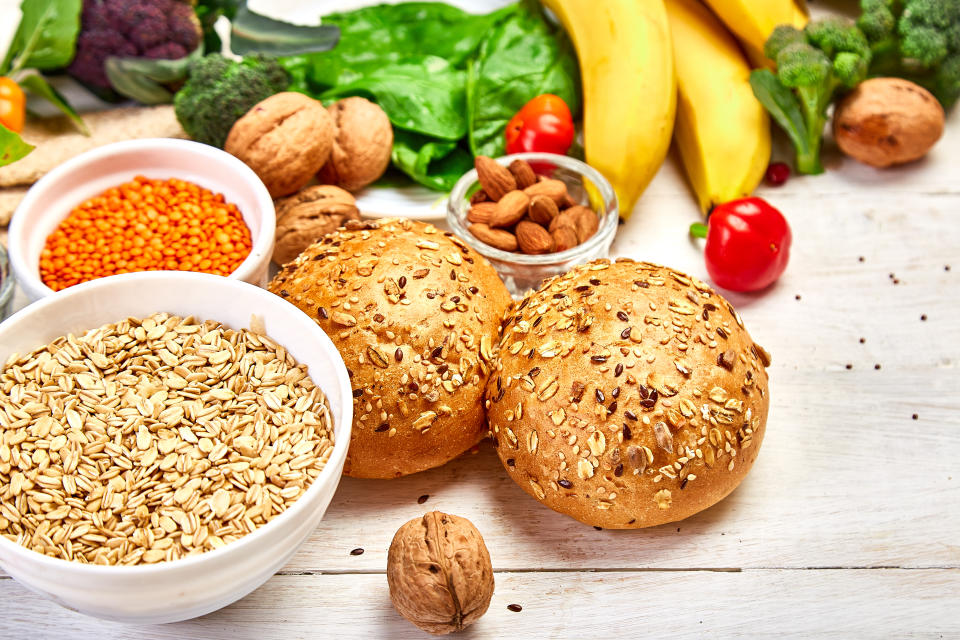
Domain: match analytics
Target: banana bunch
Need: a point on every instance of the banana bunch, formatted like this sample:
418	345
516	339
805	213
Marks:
722	130
752	21
629	87
657	69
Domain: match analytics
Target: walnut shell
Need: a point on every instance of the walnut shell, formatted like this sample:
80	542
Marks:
285	139
439	573
363	141
308	215
888	121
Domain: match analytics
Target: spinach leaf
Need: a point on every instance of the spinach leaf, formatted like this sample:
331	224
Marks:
433	163
46	37
376	36
12	146
253	33
32	81
522	58
427	97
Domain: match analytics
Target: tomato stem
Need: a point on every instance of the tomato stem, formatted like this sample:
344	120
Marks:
698	230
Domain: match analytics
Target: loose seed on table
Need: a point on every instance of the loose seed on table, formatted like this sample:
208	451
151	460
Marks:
103	461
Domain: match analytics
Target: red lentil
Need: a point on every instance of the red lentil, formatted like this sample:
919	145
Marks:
146	225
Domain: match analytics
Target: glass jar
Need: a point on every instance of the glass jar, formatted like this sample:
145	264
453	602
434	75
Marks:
522	272
6	284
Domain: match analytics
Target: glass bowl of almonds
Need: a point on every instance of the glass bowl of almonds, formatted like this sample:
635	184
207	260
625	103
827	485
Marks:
534	215
167	441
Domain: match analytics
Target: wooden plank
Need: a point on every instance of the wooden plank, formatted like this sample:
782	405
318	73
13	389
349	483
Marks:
846	478
691	604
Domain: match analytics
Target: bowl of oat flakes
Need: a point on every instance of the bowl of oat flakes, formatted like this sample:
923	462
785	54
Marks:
167	441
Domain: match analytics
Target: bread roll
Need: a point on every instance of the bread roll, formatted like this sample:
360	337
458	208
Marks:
627	395
415	313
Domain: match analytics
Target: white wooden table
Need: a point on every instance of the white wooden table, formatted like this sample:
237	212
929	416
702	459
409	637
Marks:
847	527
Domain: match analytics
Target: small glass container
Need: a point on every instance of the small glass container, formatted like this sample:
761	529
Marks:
7	284
522	272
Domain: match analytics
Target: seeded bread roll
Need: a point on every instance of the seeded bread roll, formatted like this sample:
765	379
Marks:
415	314
627	395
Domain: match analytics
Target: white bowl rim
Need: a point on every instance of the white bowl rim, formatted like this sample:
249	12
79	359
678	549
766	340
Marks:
340	445
28	274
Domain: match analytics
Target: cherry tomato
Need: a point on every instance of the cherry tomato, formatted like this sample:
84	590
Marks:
543	124
748	244
12	105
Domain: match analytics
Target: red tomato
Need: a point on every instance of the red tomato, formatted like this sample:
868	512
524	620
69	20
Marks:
748	244
543	124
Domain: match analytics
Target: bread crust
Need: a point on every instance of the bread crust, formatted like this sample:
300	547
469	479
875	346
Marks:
415	313
627	395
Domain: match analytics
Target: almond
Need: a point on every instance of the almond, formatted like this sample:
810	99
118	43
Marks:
585	220
479	196
496	179
556	190
496	238
482	212
510	209
533	238
543	210
564	238
523	173
563	220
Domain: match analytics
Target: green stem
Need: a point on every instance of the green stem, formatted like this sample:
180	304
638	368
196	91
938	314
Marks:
698	230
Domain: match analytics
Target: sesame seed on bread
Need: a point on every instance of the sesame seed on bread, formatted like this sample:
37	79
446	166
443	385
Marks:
627	395
415	314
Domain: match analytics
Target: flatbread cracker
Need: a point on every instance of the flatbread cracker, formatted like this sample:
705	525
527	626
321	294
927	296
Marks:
57	140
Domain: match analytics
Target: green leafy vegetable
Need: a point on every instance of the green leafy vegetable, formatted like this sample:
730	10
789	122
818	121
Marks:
427	96
31	80
448	80
147	80
522	58
46	37
12	146
252	33
433	163
374	37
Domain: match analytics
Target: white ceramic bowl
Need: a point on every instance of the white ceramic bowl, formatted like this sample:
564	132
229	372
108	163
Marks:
52	198
189	587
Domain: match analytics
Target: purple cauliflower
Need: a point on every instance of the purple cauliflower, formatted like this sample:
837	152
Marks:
155	29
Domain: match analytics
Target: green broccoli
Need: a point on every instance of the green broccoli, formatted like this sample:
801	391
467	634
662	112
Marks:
219	91
918	40
828	56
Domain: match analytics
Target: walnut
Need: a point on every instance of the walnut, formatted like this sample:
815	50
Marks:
285	139
439	573
363	141
307	216
888	121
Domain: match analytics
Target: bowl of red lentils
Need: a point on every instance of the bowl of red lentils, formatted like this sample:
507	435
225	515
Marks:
142	205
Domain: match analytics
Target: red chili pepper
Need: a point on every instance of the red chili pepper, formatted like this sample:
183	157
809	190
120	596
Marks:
543	124
748	244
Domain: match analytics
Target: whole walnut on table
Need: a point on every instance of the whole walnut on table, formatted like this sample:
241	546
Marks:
308	215
439	573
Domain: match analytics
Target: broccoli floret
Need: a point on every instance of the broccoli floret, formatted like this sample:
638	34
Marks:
812	66
835	35
915	39
877	21
800	65
220	91
157	29
782	37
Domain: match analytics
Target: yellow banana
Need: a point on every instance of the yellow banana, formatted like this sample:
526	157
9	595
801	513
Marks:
629	87
752	21
722	131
